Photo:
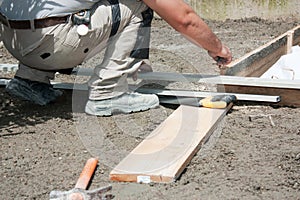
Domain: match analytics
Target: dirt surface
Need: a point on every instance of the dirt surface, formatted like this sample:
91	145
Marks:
254	154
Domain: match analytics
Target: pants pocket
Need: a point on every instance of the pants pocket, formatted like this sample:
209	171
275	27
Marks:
62	50
46	42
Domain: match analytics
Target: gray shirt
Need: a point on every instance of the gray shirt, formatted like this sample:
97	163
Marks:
35	9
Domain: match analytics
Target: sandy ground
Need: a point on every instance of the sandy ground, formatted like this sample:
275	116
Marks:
254	153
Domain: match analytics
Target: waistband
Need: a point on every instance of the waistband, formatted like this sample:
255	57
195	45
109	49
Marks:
33	24
52	21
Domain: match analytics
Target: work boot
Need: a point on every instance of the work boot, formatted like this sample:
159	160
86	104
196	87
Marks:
126	103
33	91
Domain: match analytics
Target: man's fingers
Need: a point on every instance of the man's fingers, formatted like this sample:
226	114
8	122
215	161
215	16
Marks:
224	57
223	61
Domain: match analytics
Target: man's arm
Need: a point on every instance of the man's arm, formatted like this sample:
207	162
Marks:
184	20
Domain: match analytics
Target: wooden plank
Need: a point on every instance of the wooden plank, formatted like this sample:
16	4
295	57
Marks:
201	94
258	61
164	154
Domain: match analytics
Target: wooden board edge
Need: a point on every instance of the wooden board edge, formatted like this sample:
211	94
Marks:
139	178
203	141
253	64
259	60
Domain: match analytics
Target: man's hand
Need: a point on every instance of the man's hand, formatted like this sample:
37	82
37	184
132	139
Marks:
224	57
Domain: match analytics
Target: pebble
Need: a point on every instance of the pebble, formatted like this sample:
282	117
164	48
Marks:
297	157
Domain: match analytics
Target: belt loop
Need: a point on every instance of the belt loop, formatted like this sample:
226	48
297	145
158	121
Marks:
32	25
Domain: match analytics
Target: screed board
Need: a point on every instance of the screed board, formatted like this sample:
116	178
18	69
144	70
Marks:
164	154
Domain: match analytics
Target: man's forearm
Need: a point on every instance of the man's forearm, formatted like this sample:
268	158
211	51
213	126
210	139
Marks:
200	34
184	20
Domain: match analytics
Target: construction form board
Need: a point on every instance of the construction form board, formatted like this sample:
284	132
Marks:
164	154
257	62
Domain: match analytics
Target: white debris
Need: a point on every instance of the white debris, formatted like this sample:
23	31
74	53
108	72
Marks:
287	67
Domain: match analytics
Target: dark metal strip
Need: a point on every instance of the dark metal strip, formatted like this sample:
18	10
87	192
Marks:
116	16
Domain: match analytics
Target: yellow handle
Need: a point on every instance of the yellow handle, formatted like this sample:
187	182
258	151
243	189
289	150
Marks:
215	104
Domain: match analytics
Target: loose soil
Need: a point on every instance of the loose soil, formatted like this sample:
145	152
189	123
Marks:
253	154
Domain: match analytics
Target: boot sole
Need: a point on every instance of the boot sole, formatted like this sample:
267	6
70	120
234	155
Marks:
109	111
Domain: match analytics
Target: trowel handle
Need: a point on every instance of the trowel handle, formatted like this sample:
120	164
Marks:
87	173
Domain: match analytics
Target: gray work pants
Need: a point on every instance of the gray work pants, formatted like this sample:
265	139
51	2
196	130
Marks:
123	31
